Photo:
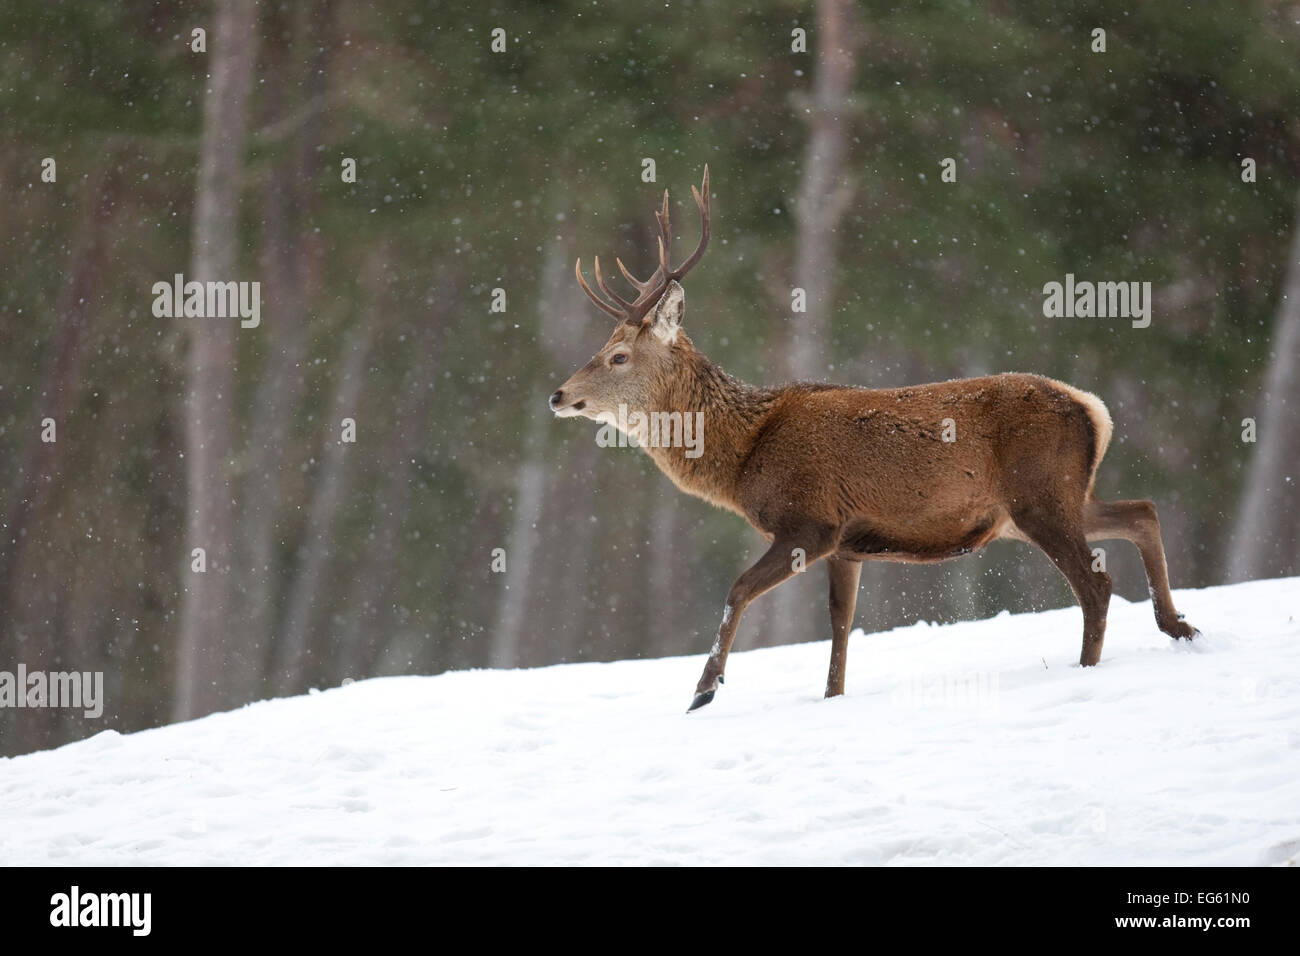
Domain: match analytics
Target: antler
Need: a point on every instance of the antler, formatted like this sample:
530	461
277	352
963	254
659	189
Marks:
675	275
650	290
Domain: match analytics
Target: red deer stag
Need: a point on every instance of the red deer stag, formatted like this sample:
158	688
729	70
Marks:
851	474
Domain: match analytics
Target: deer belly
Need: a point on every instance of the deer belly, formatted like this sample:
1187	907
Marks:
925	540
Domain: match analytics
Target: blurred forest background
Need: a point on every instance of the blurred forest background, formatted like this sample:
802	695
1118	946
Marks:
479	170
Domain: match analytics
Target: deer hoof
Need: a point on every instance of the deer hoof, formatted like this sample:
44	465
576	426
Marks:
1178	629
700	700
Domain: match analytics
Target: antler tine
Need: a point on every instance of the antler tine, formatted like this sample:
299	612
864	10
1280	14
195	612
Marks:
665	230
600	303
625	305
661	217
641	286
705	216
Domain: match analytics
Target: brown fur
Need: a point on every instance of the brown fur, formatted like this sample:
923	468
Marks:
855	474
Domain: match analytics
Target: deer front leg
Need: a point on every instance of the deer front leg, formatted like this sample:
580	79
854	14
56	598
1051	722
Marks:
844	599
776	565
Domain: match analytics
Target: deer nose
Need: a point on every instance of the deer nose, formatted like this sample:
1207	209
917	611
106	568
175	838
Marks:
557	398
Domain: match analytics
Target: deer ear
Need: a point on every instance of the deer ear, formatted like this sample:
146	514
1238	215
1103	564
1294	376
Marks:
669	314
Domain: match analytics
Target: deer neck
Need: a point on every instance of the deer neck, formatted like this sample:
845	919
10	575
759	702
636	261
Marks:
720	419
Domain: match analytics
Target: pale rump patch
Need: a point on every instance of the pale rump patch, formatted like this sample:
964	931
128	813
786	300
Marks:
1101	421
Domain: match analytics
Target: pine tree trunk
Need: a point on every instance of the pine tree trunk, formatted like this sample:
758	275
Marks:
59	385
209	628
369	624
1265	542
825	189
289	200
533	479
297	665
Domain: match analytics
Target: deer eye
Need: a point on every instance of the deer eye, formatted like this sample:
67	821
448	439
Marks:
618	359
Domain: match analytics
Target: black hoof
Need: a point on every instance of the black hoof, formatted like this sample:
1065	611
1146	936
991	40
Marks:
700	700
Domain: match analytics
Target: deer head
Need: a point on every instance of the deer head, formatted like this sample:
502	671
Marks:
647	342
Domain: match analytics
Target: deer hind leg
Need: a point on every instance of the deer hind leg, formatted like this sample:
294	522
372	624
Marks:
1067	546
1137	521
776	565
845	576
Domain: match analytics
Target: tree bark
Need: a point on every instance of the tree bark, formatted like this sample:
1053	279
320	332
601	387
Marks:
1265	542
369	621
60	383
209	632
666	552
305	595
289	202
533	479
825	190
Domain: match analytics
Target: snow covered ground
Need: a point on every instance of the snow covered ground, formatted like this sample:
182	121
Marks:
978	743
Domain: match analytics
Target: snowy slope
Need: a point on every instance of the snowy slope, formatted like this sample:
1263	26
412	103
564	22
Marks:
977	743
